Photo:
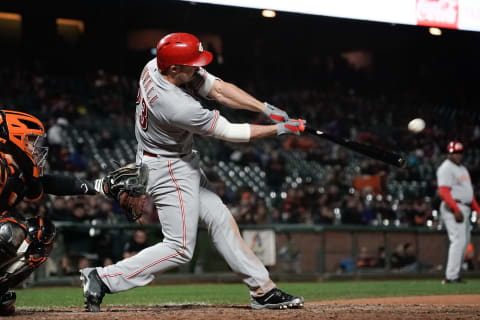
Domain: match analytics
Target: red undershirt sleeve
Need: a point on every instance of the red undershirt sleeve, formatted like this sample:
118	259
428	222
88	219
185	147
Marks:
447	197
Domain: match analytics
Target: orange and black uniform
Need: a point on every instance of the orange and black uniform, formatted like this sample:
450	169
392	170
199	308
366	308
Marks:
25	242
38	232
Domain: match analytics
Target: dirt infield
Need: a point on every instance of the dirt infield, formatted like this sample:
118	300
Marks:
427	307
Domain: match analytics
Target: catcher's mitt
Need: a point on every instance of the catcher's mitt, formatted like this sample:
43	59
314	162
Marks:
128	185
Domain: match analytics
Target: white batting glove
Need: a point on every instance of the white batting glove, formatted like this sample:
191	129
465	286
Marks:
275	114
292	126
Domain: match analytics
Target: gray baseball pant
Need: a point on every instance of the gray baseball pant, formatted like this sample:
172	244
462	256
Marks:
180	202
459	236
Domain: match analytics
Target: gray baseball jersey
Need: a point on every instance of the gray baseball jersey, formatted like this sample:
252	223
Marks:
457	178
168	116
166	119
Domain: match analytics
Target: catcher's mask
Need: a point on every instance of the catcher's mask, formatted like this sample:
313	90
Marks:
27	132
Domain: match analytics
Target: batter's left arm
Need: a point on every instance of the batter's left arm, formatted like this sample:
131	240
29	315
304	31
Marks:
230	95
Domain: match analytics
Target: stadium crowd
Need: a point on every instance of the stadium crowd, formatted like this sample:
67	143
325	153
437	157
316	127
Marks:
102	103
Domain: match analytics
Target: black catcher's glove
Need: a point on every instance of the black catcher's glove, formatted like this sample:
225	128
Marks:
128	186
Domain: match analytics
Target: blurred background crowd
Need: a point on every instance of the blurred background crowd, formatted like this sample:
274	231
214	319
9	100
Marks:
88	111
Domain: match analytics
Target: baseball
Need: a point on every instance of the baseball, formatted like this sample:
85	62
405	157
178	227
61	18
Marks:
416	125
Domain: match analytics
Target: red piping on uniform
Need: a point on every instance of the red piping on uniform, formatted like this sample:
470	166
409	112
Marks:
110	275
153	99
214	121
183	224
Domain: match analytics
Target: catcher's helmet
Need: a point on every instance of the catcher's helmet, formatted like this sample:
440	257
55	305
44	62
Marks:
25	131
455	147
183	49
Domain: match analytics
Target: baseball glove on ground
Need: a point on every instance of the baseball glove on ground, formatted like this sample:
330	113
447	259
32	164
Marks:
128	185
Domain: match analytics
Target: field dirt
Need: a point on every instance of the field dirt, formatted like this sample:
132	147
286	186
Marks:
425	307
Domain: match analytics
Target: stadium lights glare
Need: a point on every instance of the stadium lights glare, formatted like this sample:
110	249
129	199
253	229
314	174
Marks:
269	13
72	22
446	14
10	16
435	31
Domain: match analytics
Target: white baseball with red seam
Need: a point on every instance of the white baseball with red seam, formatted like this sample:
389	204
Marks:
416	125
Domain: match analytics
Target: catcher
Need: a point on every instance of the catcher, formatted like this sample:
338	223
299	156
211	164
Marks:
26	241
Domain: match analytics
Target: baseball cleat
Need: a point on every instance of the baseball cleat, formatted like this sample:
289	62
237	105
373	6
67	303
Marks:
7	301
93	289
276	299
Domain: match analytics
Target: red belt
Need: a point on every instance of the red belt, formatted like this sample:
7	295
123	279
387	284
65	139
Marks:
146	153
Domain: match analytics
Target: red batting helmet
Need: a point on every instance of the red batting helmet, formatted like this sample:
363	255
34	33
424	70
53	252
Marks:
455	147
181	48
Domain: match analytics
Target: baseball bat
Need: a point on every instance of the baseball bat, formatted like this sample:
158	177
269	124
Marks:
365	149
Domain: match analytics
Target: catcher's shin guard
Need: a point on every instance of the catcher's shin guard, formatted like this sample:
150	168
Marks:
7	303
12	235
33	250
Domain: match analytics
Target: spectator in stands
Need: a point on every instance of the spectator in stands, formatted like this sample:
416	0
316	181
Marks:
59	210
260	214
57	139
365	259
78	243
352	212
381	255
244	211
404	257
221	189
137	243
107	139
78	158
57	135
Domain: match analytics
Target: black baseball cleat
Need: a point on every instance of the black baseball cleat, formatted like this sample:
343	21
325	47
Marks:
451	281
7	303
276	299
93	289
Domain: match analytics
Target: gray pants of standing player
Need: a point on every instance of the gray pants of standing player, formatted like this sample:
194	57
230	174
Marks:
459	236
181	201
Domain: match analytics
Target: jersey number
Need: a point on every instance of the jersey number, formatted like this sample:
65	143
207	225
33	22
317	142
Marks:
142	118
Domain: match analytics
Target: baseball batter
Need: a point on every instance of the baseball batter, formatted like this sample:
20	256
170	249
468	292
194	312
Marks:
167	117
456	191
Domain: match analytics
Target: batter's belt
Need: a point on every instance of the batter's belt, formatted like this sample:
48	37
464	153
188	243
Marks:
153	155
462	202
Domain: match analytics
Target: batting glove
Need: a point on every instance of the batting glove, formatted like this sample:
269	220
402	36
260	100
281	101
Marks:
275	114
292	126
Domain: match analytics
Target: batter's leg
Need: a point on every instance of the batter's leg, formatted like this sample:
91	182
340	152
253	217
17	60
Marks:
226	237
457	237
176	196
